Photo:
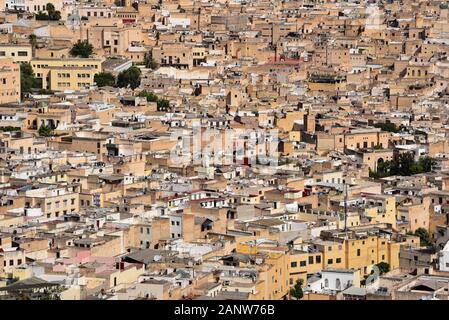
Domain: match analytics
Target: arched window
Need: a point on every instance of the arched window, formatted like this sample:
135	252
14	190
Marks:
326	283
338	284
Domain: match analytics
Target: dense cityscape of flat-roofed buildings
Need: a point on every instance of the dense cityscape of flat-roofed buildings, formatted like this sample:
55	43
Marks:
244	150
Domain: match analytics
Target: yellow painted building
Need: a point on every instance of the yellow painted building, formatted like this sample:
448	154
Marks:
17	52
66	74
275	271
9	81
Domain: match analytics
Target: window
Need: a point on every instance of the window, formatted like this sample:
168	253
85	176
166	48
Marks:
311	260
148	230
330	261
338	260
358	252
22	53
302	263
318	259
294	264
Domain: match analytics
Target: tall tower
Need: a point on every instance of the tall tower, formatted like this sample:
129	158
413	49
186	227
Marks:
309	122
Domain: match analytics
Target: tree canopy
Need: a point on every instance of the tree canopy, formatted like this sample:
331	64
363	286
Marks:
104	79
424	237
27	79
51	14
162	104
32	38
388	126
383	267
9	128
130	77
151	63
403	164
151	97
45	131
82	49
296	291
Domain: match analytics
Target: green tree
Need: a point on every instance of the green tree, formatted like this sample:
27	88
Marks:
424	237
41	16
104	79
9	128
46	91
130	77
54	16
50	7
51	13
151	97
27	79
151	63
32	39
424	164
383	267
163	104
383	170
82	49
296	291
45	131
387	126
403	165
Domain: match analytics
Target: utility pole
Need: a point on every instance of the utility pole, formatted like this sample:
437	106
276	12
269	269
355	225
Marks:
346	204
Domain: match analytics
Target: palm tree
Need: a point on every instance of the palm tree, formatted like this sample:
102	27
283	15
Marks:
33	41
